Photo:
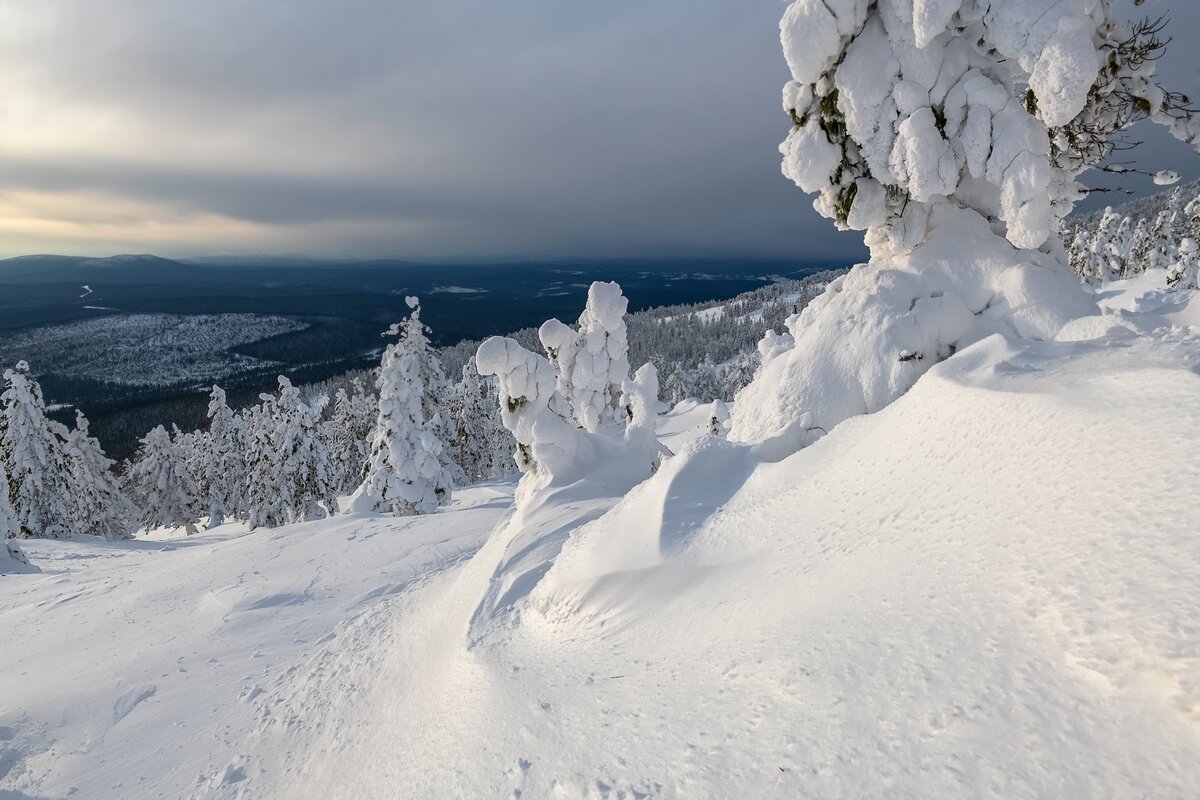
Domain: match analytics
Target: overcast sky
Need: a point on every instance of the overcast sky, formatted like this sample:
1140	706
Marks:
416	128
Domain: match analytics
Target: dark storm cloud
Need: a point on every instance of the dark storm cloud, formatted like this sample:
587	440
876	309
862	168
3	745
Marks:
422	127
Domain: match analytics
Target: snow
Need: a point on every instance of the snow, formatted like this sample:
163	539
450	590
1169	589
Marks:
1166	177
457	290
947	598
197	648
906	314
809	157
931	102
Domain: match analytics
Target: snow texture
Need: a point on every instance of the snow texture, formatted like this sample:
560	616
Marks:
875	331
919	601
921	97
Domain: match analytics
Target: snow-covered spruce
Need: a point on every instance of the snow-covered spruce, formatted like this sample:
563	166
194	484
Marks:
410	469
224	466
718	419
171	497
305	465
1185	273
593	362
951	133
97	503
12	559
289	466
348	432
559	442
532	409
639	401
481	444
32	457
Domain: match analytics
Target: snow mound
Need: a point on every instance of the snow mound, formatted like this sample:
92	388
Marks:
876	330
921	600
987	589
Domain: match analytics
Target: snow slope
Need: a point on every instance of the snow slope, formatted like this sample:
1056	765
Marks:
151	668
987	589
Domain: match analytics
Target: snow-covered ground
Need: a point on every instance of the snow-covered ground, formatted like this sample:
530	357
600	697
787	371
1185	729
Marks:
147	349
987	589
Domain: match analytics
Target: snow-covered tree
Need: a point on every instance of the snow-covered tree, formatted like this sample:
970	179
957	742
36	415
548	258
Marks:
1100	268
674	388
951	132
32	456
591	363
223	464
305	468
561	343
901	104
171	496
265	505
289	467
481	445
602	360
11	557
8	515
96	501
348	432
1120	249
1162	247
410	470
718	419
531	408
1185	273
639	404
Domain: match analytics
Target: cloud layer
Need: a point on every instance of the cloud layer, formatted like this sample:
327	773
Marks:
417	128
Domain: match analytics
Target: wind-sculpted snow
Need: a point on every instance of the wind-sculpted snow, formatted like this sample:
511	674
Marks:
869	338
920	601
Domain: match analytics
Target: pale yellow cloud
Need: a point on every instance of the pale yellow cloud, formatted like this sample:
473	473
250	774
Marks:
95	223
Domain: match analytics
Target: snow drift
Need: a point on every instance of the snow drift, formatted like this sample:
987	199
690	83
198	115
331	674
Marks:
986	589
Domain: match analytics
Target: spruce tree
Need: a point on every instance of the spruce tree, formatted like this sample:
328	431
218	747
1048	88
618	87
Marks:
171	496
410	470
303	474
481	445
348	432
33	460
224	462
97	503
11	557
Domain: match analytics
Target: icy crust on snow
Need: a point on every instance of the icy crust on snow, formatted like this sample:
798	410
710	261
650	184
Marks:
926	107
876	330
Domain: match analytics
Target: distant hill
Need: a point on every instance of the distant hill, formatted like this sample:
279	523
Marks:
120	269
